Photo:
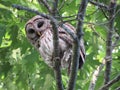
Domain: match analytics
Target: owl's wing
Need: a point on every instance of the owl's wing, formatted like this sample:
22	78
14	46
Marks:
67	38
64	35
82	53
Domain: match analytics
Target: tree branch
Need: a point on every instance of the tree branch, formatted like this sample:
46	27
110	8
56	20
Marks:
76	46
110	83
19	7
110	47
55	7
57	69
45	3
93	29
109	41
100	67
99	4
61	6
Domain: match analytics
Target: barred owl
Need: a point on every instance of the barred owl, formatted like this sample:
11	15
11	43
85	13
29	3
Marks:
39	32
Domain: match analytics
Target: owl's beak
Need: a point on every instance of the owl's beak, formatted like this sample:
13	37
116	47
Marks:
39	33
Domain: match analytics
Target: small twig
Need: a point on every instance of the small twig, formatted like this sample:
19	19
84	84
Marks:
96	33
104	13
66	17
70	20
69	16
19	7
61	6
116	42
110	83
45	3
92	13
99	4
117	12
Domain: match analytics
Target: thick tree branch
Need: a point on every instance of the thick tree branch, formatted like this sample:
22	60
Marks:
110	83
57	69
109	41
76	47
55	7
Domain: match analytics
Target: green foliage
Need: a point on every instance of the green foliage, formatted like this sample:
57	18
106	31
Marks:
22	68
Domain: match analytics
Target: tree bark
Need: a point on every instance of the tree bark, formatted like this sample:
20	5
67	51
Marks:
109	42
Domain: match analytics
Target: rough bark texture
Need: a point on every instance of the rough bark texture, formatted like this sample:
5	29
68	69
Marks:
57	70
109	42
76	48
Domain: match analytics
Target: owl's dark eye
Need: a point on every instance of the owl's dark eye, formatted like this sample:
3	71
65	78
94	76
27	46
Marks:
31	31
40	24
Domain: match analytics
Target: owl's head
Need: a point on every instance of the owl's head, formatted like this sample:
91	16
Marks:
36	26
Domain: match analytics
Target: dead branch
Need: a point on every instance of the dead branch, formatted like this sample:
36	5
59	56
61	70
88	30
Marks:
95	75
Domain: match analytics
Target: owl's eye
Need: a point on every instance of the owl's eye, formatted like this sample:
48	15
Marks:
40	24
31	31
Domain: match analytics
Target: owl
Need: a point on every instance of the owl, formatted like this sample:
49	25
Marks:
39	32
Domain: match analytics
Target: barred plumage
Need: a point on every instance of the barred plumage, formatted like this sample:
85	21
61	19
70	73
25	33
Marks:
39	32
